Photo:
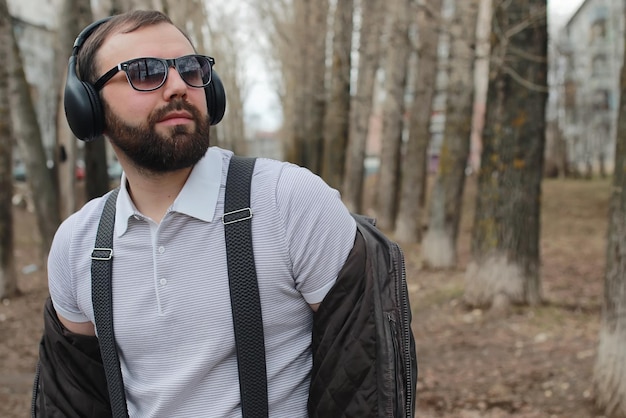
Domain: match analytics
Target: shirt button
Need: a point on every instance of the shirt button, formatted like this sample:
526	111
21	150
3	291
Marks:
161	250
163	282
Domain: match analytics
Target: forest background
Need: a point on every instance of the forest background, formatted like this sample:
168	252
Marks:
509	311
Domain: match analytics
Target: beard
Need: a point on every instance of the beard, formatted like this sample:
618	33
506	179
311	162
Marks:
182	147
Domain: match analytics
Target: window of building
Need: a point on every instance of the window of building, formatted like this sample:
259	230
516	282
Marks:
599	25
599	65
601	100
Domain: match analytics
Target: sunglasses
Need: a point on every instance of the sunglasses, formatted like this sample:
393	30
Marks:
148	74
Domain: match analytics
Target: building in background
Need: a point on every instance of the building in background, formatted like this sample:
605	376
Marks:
586	65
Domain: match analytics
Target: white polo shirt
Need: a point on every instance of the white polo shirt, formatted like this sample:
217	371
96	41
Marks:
172	313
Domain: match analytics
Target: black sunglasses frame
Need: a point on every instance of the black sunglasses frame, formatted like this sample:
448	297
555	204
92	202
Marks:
171	62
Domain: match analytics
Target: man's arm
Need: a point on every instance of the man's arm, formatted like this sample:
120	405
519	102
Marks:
83	328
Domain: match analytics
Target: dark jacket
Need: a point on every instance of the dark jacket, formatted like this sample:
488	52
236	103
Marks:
364	361
70	380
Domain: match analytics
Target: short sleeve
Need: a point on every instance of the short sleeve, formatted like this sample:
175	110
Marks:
60	281
319	229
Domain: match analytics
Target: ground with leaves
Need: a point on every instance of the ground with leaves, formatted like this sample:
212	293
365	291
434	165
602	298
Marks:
528	362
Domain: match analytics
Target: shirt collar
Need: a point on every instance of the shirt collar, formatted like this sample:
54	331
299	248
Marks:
198	197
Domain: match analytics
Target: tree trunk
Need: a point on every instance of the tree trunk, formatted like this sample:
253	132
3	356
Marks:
28	135
286	36
609	378
415	165
95	152
313	92
602	165
393	115
439	249
372	16
336	121
301	48
8	276
481	79
74	15
96	175
505	236
65	163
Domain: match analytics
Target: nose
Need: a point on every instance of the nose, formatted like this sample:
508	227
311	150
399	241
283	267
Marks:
174	85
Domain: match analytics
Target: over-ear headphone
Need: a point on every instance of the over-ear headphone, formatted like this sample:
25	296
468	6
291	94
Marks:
84	110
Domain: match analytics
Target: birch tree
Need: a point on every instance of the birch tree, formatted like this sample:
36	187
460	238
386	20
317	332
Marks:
439	249
336	121
396	63
372	20
311	88
481	78
505	236
609	377
415	166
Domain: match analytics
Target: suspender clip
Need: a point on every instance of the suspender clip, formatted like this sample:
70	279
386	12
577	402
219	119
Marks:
237	216
102	254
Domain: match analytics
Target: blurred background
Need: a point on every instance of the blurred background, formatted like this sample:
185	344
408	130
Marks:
486	136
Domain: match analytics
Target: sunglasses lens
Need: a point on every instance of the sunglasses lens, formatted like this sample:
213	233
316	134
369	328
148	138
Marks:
146	73
195	70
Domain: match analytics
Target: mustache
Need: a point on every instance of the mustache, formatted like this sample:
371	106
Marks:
174	105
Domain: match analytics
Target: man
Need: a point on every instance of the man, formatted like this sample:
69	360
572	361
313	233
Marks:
172	311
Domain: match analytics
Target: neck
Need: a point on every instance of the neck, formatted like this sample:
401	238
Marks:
153	193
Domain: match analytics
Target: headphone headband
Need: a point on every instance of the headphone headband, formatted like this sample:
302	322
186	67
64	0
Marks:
83	107
85	33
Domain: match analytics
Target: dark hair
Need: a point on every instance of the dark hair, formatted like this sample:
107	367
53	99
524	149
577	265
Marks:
122	23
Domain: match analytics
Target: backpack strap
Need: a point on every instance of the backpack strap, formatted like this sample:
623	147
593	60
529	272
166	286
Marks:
244	289
102	300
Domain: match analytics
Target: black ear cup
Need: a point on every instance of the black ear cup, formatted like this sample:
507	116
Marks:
84	110
215	99
81	101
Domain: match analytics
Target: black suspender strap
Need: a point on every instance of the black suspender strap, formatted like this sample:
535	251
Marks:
102	300
244	294
244	289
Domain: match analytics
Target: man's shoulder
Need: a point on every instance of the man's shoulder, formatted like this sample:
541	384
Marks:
264	167
284	169
278	174
78	231
86	217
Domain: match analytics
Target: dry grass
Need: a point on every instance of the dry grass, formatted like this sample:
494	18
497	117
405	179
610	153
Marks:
530	362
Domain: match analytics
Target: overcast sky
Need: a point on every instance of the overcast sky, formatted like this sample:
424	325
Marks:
561	10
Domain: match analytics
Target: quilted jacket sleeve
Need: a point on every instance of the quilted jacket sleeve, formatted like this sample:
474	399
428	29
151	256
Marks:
71	380
343	379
